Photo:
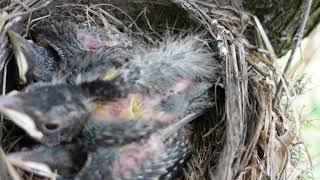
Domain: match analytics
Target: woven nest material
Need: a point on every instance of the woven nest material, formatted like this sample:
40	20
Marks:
247	135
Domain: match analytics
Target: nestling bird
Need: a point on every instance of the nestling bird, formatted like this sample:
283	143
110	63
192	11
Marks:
34	62
118	105
67	159
56	46
149	158
42	109
70	39
117	109
155	157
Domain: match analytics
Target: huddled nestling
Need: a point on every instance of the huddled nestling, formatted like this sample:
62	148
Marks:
103	105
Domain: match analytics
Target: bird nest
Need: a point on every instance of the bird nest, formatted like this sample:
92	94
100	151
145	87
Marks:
247	134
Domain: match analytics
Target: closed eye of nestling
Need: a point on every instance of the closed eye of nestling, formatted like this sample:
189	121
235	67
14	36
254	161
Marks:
51	127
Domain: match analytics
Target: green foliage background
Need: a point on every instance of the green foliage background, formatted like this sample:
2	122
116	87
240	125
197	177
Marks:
308	103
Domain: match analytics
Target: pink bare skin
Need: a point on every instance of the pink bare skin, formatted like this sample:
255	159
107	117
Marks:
147	106
93	41
136	154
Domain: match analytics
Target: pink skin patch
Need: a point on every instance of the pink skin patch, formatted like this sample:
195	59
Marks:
180	86
112	111
93	41
134	155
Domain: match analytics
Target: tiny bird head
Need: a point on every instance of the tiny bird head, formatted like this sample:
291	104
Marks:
69	39
34	62
43	161
48	113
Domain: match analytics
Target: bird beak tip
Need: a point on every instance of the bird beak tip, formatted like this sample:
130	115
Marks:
7	168
36	168
9	108
19	43
16	40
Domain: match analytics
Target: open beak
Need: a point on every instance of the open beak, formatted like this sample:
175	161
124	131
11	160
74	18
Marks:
20	46
12	108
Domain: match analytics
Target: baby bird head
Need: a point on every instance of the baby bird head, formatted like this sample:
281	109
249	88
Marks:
48	113
34	62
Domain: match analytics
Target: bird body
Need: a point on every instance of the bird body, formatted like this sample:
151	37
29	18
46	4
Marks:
117	103
157	156
148	158
183	72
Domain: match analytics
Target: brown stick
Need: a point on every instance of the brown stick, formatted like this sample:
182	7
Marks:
296	44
